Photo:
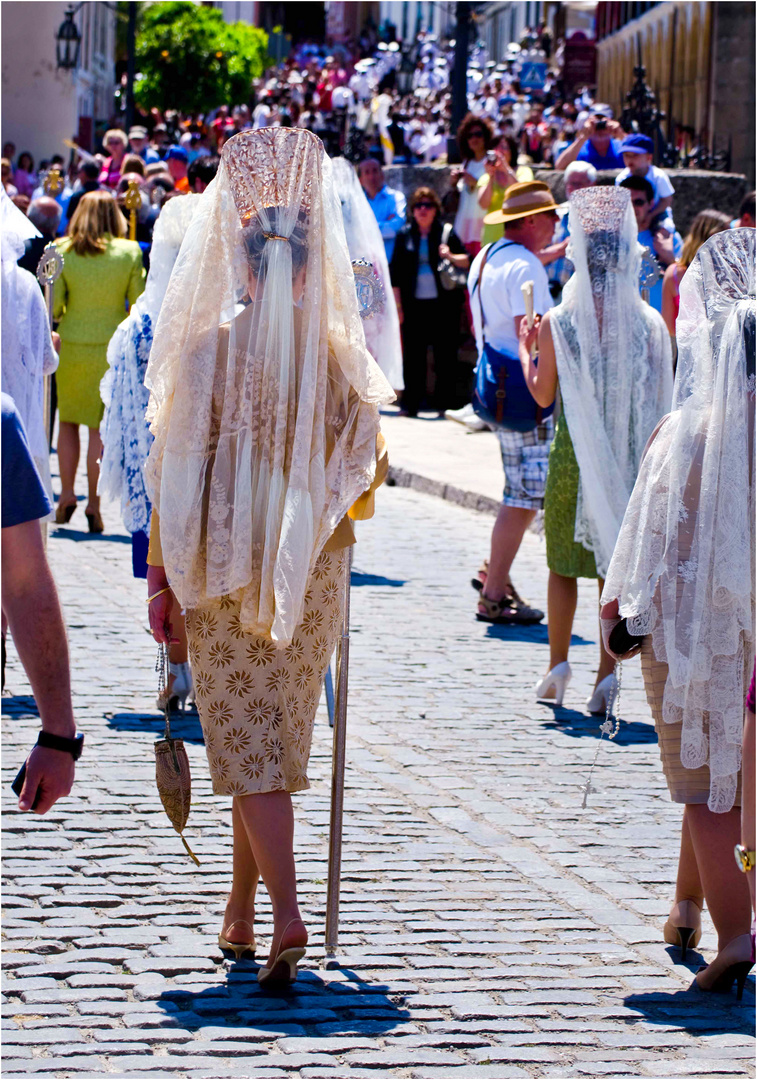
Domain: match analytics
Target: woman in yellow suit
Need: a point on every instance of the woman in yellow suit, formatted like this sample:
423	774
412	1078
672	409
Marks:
102	277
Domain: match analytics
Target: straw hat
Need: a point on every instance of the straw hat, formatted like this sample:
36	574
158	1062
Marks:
522	200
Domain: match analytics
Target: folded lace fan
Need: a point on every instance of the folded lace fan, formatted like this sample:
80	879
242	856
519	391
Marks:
172	764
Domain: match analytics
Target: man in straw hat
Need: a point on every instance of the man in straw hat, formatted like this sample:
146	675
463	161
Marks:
529	214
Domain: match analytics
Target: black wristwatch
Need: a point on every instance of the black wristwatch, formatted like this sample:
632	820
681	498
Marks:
58	742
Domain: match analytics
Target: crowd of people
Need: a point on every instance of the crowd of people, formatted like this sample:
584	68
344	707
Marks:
243	288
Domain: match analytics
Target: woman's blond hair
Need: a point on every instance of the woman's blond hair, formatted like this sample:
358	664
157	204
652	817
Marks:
116	133
96	218
704	225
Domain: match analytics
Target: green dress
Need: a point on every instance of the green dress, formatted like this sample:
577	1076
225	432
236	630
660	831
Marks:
564	555
90	301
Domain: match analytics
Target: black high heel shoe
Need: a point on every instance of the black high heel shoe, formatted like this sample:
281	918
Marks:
730	970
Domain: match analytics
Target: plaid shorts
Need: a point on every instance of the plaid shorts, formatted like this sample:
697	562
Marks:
525	456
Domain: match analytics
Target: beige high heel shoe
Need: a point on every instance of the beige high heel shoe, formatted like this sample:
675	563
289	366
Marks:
238	948
687	932
283	970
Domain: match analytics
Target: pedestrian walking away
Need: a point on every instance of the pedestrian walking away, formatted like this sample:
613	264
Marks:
256	556
680	587
610	354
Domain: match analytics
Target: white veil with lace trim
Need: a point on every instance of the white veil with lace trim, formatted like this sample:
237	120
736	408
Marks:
684	566
382	331
265	415
614	363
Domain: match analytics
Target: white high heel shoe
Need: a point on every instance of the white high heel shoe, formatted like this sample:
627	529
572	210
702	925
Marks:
603	695
555	681
180	688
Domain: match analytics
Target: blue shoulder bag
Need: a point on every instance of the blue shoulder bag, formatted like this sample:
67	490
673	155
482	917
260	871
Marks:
500	395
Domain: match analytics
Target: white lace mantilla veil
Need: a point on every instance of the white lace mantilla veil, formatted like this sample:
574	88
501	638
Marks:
614	363
125	436
684	566
265	420
364	240
27	348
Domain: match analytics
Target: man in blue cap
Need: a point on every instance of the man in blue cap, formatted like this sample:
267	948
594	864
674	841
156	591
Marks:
177	161
637	151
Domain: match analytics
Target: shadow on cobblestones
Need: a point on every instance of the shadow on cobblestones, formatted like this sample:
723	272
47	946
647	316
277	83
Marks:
77	535
346	1005
697	1013
358	578
578	725
536	634
185	727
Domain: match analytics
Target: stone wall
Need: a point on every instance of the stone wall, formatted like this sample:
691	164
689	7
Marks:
695	190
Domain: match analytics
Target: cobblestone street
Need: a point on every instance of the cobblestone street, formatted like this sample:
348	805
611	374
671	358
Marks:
490	926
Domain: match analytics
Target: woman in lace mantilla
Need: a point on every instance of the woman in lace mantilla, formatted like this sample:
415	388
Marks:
609	352
265	411
682	576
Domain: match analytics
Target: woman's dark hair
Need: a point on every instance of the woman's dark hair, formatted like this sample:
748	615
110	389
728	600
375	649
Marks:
21	156
512	145
424	194
470	122
255	240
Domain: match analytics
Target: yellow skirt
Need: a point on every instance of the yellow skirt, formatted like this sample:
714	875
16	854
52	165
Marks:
78	379
685	785
257	703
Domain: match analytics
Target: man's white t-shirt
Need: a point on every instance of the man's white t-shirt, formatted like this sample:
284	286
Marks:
509	266
658	178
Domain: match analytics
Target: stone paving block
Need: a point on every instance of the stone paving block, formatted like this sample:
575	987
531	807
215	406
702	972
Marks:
490	1054
322	1045
470	1072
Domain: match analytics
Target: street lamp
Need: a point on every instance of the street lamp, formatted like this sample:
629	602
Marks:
68	42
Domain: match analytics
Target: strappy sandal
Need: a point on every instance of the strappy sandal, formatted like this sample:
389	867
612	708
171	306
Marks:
510	609
479	582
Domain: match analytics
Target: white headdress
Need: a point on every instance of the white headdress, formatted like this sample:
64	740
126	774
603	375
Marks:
613	362
264	421
125	436
364	240
683	569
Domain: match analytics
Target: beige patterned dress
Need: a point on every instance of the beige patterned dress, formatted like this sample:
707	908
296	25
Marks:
257	703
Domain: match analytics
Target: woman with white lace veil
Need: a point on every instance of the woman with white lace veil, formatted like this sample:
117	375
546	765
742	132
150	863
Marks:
265	411
125	434
683	579
610	354
364	240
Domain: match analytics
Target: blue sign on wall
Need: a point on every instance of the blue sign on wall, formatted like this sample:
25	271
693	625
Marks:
533	76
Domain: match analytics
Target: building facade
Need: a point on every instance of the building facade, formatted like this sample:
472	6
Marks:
700	63
41	104
410	17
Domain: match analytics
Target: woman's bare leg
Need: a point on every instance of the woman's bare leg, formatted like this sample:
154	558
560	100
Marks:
240	907
713	838
94	449
688	881
562	597
269	821
68	460
747	793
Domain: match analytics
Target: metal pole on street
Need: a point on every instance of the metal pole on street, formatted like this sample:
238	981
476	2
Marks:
337	771
131	48
459	77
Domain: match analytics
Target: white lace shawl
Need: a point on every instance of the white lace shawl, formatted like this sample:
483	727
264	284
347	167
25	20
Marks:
265	433
27	348
124	432
614	363
684	566
364	240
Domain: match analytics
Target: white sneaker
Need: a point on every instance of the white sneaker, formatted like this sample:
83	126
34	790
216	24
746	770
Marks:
461	416
467	417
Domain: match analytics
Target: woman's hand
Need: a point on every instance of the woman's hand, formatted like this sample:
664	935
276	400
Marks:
444	252
470	180
162	607
529	334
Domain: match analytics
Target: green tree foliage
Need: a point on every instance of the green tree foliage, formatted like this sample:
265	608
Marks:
189	58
